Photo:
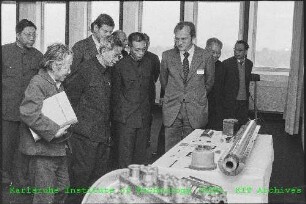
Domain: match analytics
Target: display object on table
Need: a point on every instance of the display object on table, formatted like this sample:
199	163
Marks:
229	127
232	162
146	185
203	158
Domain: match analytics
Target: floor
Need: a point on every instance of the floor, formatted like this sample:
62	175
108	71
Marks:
288	166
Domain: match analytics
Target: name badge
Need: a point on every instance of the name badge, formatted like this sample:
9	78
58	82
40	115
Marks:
200	71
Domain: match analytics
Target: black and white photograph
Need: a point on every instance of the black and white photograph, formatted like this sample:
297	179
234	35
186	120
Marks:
152	102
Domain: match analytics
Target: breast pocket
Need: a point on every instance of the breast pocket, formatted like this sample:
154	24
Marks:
10	71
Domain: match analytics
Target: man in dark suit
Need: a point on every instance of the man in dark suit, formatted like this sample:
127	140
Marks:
237	78
131	104
88	48
186	76
89	93
215	97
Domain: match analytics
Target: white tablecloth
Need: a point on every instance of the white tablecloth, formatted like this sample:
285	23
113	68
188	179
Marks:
255	175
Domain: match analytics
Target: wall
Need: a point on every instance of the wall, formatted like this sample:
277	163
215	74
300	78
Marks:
271	92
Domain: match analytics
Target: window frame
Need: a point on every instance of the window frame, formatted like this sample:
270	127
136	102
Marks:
89	14
42	20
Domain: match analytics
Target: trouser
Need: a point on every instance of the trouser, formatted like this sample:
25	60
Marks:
132	144
180	128
49	173
15	165
241	112
89	161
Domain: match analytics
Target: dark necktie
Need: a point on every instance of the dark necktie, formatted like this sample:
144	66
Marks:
185	66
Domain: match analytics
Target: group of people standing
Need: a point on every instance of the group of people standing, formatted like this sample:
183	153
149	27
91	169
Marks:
110	81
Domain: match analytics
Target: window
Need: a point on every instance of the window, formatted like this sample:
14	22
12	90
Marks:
8	22
54	24
274	34
111	8
220	20
158	22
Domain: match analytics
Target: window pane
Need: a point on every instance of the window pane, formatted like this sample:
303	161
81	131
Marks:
111	8
8	23
274	34
54	23
159	28
220	20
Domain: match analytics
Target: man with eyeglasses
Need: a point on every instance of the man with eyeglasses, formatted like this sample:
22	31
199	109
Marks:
131	102
89	92
237	78
186	76
20	62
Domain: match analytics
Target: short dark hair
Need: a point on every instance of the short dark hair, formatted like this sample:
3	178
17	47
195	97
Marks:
182	24
23	24
102	19
246	45
211	41
146	37
136	37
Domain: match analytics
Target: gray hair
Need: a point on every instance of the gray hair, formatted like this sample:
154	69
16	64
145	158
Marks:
110	43
212	41
55	53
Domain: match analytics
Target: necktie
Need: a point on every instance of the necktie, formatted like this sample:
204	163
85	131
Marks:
185	66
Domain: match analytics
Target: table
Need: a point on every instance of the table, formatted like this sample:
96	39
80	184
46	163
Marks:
256	174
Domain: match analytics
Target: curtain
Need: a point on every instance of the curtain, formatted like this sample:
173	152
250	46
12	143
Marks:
294	100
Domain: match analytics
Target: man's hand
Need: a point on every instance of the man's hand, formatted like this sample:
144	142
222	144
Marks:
61	131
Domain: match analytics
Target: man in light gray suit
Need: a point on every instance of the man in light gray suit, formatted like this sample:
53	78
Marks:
186	76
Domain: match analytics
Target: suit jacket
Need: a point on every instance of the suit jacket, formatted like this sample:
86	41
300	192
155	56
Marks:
89	93
231	82
199	82
41	86
132	91
18	66
83	50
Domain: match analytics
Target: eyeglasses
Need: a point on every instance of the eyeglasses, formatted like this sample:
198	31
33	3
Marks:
238	50
28	35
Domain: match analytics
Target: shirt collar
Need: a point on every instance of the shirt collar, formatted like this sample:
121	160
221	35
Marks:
243	60
57	83
97	43
190	51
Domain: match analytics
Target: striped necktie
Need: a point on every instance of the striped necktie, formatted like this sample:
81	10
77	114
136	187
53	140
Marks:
185	66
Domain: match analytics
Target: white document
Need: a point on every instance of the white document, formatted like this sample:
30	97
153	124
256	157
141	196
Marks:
58	109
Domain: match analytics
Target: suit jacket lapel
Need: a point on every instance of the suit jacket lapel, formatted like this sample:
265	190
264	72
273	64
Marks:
91	47
178	62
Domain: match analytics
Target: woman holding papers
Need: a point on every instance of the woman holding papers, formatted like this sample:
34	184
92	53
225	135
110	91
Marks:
89	90
48	162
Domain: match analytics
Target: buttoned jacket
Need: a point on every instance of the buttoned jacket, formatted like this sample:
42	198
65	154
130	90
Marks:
89	92
231	81
200	80
18	66
41	87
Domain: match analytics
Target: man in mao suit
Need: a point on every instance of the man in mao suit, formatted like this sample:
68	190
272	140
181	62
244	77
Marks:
187	75
236	83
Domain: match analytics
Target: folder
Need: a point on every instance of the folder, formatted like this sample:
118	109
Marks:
58	109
